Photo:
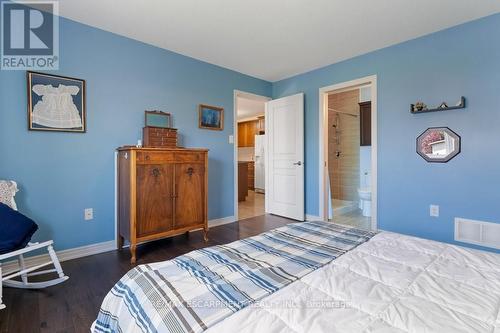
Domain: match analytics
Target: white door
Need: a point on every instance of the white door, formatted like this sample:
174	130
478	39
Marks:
285	157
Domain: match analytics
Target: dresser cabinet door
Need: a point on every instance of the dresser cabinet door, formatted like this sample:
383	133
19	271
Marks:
154	198
190	194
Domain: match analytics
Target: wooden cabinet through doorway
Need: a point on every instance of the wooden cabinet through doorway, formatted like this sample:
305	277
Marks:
261	125
246	133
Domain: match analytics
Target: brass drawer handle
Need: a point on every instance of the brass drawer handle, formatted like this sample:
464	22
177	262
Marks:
190	171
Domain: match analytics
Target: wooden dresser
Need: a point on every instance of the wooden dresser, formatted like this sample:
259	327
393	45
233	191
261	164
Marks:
161	192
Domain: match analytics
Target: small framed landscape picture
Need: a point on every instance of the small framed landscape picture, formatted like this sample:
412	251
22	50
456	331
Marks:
211	117
56	103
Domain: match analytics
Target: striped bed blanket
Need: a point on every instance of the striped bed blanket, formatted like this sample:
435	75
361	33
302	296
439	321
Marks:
199	289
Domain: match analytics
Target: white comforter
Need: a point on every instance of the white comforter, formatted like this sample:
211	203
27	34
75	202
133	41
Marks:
393	283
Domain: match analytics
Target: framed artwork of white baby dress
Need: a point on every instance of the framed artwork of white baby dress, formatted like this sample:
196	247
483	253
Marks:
56	103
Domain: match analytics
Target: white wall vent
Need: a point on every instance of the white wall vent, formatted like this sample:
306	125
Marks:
477	232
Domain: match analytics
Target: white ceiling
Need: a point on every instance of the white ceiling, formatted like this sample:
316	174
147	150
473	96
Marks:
274	39
250	108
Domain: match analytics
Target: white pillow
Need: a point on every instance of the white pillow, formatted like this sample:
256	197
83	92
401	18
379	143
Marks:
8	189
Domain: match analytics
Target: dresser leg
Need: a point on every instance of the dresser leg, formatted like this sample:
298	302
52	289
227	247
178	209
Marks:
132	252
119	242
205	234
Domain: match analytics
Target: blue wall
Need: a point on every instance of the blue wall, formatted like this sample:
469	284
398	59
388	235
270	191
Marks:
463	60
60	174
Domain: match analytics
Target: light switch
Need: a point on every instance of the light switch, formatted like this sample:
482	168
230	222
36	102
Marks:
231	138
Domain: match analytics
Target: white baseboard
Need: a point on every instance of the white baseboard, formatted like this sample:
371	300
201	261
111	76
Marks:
313	218
64	255
88	250
221	221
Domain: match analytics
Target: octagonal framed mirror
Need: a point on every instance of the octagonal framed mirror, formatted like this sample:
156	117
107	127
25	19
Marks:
438	144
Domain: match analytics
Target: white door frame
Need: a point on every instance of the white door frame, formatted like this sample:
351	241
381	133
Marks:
243	94
323	142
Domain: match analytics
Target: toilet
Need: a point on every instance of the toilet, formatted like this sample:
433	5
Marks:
365	201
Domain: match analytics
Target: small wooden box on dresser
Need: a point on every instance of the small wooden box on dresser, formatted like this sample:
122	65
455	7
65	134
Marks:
159	137
162	192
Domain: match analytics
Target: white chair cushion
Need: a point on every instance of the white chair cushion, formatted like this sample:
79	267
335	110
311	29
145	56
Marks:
8	189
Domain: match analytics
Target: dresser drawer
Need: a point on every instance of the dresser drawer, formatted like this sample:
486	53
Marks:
190	157
162	142
153	157
162	132
168	133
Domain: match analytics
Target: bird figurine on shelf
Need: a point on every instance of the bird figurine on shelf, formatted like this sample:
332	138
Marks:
419	106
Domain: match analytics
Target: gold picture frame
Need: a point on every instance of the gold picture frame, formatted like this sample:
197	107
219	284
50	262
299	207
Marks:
210	117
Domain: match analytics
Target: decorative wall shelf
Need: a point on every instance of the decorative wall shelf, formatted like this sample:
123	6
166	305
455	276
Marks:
460	106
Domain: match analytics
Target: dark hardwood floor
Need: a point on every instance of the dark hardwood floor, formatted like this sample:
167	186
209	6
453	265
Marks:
73	305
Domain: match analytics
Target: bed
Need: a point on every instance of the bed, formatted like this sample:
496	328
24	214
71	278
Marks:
311	277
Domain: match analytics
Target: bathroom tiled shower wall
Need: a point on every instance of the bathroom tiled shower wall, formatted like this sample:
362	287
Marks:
343	147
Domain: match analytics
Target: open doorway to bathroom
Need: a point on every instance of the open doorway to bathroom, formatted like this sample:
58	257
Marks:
250	154
349	156
348	153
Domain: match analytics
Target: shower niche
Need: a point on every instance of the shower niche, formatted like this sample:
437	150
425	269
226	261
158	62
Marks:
365	123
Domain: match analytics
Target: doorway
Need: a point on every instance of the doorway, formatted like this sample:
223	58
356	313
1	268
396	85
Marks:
348	153
250	149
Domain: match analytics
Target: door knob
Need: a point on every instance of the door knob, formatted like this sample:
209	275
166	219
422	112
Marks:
298	163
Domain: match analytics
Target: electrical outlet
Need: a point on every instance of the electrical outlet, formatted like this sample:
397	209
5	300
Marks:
434	210
89	214
231	138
